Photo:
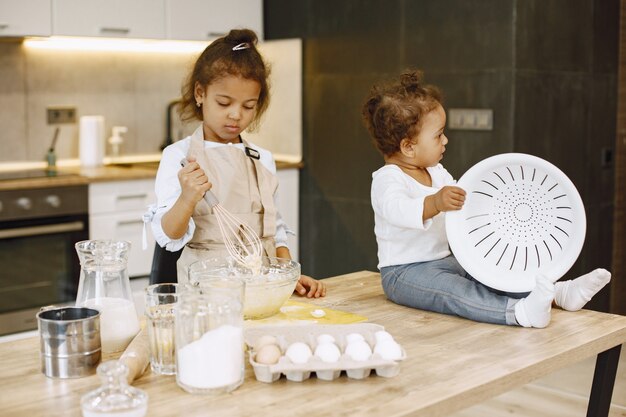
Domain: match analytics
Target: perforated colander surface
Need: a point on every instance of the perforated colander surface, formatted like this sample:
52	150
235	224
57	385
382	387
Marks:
522	217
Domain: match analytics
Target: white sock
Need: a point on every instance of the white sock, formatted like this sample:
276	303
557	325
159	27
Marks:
574	294
534	310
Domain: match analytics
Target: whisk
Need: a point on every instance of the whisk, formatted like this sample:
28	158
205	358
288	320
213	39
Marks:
241	241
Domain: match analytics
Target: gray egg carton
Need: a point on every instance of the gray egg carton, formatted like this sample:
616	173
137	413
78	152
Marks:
286	335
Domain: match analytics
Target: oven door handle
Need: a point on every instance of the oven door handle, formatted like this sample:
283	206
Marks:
42	230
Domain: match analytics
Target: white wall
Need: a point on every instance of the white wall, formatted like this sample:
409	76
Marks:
129	89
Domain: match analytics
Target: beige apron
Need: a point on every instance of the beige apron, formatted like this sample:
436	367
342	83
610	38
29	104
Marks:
243	186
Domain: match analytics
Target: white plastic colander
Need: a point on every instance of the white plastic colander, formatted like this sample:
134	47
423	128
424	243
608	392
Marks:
522	217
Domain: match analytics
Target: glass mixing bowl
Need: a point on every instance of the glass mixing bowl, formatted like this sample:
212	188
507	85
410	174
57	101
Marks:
266	290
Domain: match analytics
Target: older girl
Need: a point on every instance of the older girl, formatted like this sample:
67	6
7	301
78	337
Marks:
228	91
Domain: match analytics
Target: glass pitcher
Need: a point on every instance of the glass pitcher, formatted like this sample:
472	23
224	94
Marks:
104	285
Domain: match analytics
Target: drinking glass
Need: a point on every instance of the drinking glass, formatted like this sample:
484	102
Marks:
161	301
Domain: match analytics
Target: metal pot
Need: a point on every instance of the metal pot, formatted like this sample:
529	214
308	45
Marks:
69	341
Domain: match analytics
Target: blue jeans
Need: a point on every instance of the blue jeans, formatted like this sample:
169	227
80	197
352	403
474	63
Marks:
443	286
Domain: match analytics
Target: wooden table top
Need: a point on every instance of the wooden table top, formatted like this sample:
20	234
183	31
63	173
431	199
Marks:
451	364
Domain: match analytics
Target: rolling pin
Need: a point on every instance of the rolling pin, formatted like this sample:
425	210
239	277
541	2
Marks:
137	356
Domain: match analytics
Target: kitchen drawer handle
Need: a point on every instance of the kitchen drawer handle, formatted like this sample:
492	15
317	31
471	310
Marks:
132	196
119	31
4	25
129	222
41	230
215	34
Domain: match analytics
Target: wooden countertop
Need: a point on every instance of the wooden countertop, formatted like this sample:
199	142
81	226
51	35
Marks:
451	364
82	176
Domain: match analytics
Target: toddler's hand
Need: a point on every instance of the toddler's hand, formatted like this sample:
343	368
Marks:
449	198
193	181
315	288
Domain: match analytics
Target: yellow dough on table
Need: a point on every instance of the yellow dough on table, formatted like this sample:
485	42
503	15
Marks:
293	312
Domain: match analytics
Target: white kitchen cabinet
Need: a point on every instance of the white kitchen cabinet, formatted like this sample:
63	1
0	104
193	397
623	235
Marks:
209	19
25	17
288	205
115	212
111	18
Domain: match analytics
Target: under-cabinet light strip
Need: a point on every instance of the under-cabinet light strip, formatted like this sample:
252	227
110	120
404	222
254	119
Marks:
115	44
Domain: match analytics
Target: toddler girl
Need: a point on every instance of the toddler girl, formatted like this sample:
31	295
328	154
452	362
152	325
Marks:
228	91
410	195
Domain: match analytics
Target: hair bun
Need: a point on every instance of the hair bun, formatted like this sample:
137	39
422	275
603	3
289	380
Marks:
411	79
237	36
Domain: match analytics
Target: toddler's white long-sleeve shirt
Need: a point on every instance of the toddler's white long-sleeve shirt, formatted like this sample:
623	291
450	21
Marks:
398	203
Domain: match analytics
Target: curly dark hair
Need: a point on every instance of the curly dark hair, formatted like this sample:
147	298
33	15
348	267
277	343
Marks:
219	60
394	111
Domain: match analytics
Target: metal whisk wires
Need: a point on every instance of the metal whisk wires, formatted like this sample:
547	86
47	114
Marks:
241	241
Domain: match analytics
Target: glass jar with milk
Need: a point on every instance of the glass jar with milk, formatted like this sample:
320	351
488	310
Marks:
104	285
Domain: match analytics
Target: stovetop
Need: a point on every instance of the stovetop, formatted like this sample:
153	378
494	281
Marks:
33	173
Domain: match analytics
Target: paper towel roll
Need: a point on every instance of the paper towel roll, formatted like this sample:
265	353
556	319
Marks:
91	141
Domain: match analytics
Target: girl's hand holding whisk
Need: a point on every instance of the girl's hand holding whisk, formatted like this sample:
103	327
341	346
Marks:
194	182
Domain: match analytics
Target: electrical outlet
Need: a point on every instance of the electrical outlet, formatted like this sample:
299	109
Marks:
470	119
61	115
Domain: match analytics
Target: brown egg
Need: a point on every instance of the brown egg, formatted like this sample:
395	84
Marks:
268	355
266	339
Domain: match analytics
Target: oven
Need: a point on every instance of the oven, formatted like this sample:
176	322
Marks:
38	262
